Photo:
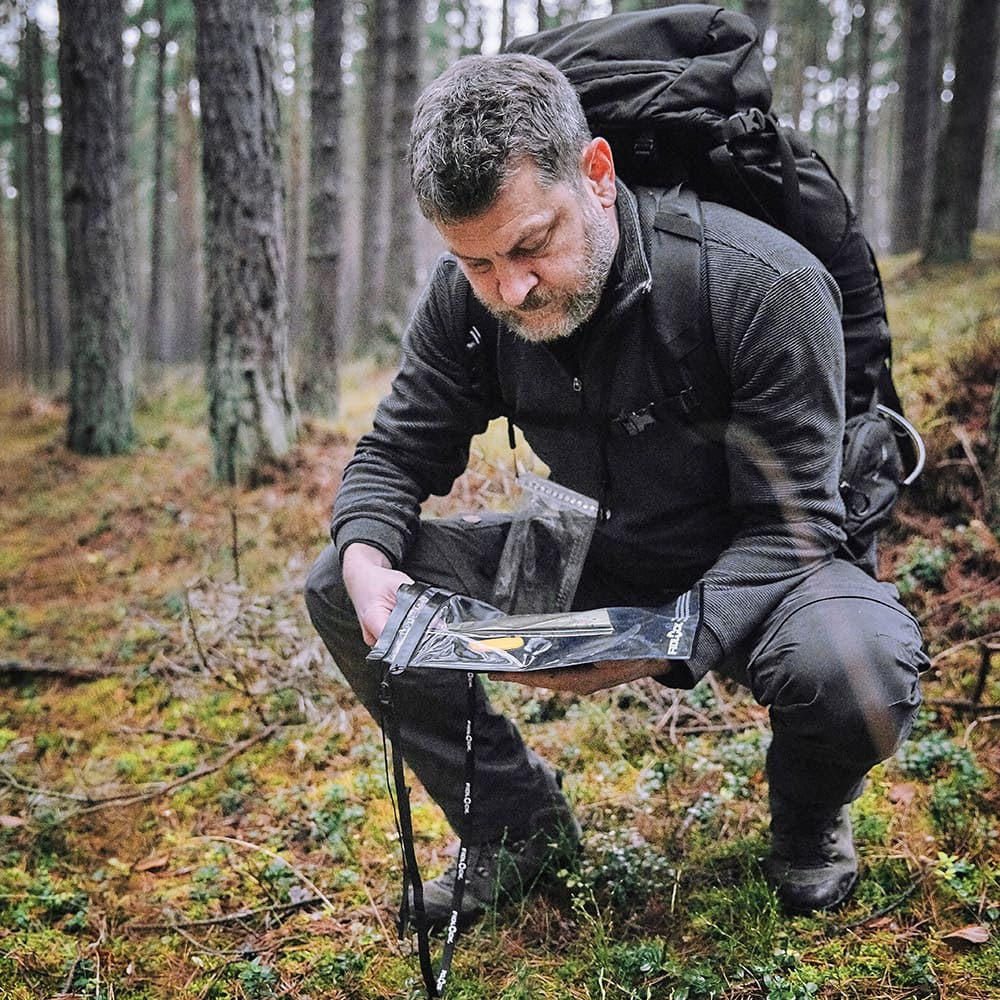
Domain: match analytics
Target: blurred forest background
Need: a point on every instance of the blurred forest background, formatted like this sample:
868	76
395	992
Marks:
224	182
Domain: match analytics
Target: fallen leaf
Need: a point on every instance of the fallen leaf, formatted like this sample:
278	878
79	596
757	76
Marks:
152	863
902	793
974	934
12	821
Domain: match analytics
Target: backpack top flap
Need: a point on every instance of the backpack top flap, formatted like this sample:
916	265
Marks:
658	68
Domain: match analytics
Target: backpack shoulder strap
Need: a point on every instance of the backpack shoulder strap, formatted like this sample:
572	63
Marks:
696	386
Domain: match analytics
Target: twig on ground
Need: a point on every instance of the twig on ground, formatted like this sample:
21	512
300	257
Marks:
7	780
194	633
306	881
234	529
253	913
970	454
881	912
390	938
194	775
204	949
977	722
945	653
729	727
91	805
69	671
175	734
241	684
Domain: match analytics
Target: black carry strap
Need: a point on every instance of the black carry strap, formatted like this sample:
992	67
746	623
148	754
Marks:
739	191
697	385
417	607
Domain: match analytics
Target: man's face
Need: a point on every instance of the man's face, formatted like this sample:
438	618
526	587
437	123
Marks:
539	257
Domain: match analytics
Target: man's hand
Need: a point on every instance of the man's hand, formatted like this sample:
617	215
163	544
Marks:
589	678
372	584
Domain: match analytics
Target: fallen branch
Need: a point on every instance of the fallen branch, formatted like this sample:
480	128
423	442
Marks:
945	653
174	734
92	805
963	705
306	881
200	772
884	911
69	671
253	913
965	441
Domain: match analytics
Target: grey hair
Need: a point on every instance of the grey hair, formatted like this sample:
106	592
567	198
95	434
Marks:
479	120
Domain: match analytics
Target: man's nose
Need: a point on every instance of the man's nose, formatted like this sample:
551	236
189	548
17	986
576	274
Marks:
514	281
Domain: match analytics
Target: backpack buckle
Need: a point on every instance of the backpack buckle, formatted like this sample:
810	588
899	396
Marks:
637	421
741	124
644	145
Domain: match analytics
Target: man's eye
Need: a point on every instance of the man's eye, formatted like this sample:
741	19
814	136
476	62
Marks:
533	249
479	266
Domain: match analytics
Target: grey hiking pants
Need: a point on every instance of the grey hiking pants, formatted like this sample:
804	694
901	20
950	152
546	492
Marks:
836	664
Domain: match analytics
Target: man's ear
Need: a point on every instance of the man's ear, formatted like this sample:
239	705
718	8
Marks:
599	170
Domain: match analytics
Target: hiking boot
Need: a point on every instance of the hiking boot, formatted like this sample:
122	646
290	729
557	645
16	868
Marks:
503	870
812	863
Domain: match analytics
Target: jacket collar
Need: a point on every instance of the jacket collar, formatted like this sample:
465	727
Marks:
631	276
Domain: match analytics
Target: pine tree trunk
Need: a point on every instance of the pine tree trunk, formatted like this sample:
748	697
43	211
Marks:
375	206
402	232
861	156
157	347
95	187
918	91
297	174
843	79
993	481
189	278
25	321
943	20
252	414
48	336
8	342
319	355
958	169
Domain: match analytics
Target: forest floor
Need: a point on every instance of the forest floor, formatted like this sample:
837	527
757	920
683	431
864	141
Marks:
191	804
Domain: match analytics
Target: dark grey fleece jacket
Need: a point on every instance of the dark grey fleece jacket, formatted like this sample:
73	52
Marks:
748	517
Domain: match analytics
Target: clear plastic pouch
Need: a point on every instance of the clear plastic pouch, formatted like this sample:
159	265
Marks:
435	628
546	546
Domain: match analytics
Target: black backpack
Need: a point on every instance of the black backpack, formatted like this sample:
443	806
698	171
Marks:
682	96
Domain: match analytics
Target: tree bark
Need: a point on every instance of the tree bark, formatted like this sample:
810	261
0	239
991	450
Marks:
993	479
865	31
918	93
843	79
24	320
157	347
402	229
958	170
252	415
375	207
8	342
189	276
296	108
49	353
319	355
95	186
